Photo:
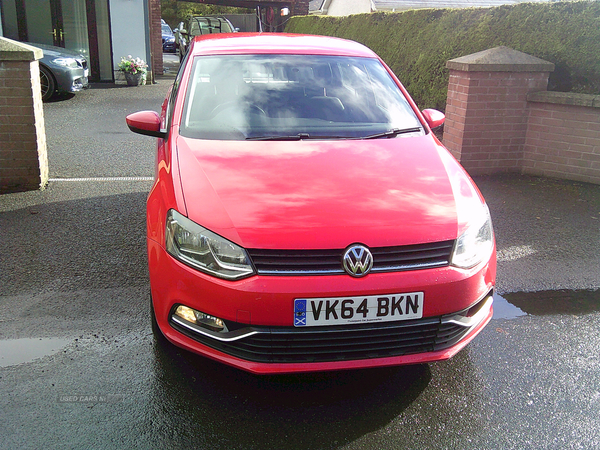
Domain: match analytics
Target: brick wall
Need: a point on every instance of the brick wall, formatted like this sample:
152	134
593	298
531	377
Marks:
500	118
563	136
300	8
490	134
23	157
486	108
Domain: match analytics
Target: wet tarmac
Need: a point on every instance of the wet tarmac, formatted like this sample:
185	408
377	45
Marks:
528	381
81	368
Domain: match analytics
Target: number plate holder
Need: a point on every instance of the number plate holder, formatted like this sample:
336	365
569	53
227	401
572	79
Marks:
314	312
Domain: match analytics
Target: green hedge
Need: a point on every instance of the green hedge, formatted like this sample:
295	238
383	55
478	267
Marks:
416	44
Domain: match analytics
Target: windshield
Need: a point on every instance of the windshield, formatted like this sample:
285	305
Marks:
270	96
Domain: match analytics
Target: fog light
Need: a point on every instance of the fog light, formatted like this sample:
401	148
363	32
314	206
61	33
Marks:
200	318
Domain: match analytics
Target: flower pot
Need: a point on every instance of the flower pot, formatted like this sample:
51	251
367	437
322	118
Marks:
134	79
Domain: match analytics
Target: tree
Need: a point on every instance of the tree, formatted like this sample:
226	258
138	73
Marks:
174	12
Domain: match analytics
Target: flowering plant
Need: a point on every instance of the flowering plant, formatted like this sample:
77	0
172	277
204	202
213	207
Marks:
132	65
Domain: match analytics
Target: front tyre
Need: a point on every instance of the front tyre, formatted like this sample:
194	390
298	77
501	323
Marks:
158	335
48	85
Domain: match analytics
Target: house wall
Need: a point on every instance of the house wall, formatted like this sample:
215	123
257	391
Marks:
300	7
129	25
347	7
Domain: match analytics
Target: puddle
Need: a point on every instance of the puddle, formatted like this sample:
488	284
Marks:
19	351
505	310
545	303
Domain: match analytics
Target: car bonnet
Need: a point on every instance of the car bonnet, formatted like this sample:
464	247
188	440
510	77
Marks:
320	194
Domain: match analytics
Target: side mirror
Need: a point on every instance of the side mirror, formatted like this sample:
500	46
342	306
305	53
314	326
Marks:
146	123
434	118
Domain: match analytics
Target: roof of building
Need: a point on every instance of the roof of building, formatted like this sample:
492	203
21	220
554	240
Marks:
315	5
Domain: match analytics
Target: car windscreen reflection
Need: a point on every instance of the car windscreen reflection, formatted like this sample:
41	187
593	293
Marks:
286	96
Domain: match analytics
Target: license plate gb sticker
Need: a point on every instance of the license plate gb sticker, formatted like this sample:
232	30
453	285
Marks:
354	310
299	313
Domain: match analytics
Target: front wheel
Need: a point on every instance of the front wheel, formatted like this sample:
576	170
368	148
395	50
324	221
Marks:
47	83
158	334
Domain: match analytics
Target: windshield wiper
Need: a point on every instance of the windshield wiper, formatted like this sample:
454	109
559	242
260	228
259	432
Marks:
300	136
295	137
392	133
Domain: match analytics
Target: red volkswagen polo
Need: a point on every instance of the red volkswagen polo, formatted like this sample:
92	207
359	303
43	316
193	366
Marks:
304	217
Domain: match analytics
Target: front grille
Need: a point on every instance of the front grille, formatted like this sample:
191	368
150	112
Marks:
329	262
338	343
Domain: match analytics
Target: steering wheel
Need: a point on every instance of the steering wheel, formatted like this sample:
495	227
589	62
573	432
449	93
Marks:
234	104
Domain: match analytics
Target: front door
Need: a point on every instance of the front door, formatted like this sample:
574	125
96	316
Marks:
56	22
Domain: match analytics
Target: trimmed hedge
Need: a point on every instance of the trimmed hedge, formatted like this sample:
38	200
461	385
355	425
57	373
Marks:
416	44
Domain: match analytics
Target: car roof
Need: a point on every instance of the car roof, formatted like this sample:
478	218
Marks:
278	43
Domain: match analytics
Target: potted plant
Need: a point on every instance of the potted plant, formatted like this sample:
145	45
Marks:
134	70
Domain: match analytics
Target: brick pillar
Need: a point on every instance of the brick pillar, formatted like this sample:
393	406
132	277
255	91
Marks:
486	110
155	38
23	154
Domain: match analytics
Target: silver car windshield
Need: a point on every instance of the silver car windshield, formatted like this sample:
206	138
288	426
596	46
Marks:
285	96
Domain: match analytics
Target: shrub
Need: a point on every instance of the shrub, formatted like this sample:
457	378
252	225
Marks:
416	44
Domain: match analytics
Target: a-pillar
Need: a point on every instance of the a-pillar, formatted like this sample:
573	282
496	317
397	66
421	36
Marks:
486	109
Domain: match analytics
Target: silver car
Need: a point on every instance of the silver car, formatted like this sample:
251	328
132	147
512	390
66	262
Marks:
61	70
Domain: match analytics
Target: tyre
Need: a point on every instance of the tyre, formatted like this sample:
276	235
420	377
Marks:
47	82
158	335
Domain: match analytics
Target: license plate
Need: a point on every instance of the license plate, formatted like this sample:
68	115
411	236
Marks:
314	312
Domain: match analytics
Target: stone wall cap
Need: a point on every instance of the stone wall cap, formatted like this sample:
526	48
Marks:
17	51
565	98
500	59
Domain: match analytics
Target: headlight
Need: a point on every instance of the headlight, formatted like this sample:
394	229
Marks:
66	62
475	244
204	250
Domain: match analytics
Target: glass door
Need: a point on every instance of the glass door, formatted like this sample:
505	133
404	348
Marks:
82	26
74	26
40	16
63	24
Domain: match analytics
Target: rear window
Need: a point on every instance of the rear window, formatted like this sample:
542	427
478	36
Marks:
208	25
252	96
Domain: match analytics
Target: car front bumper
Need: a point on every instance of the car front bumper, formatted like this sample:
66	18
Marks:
259	312
71	79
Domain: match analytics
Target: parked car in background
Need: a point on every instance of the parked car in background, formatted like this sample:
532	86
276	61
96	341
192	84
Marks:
198	26
61	70
168	38
304	217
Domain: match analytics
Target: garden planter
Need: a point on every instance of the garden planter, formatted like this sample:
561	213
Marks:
134	79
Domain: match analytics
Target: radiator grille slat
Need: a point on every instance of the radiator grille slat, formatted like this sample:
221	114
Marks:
329	262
